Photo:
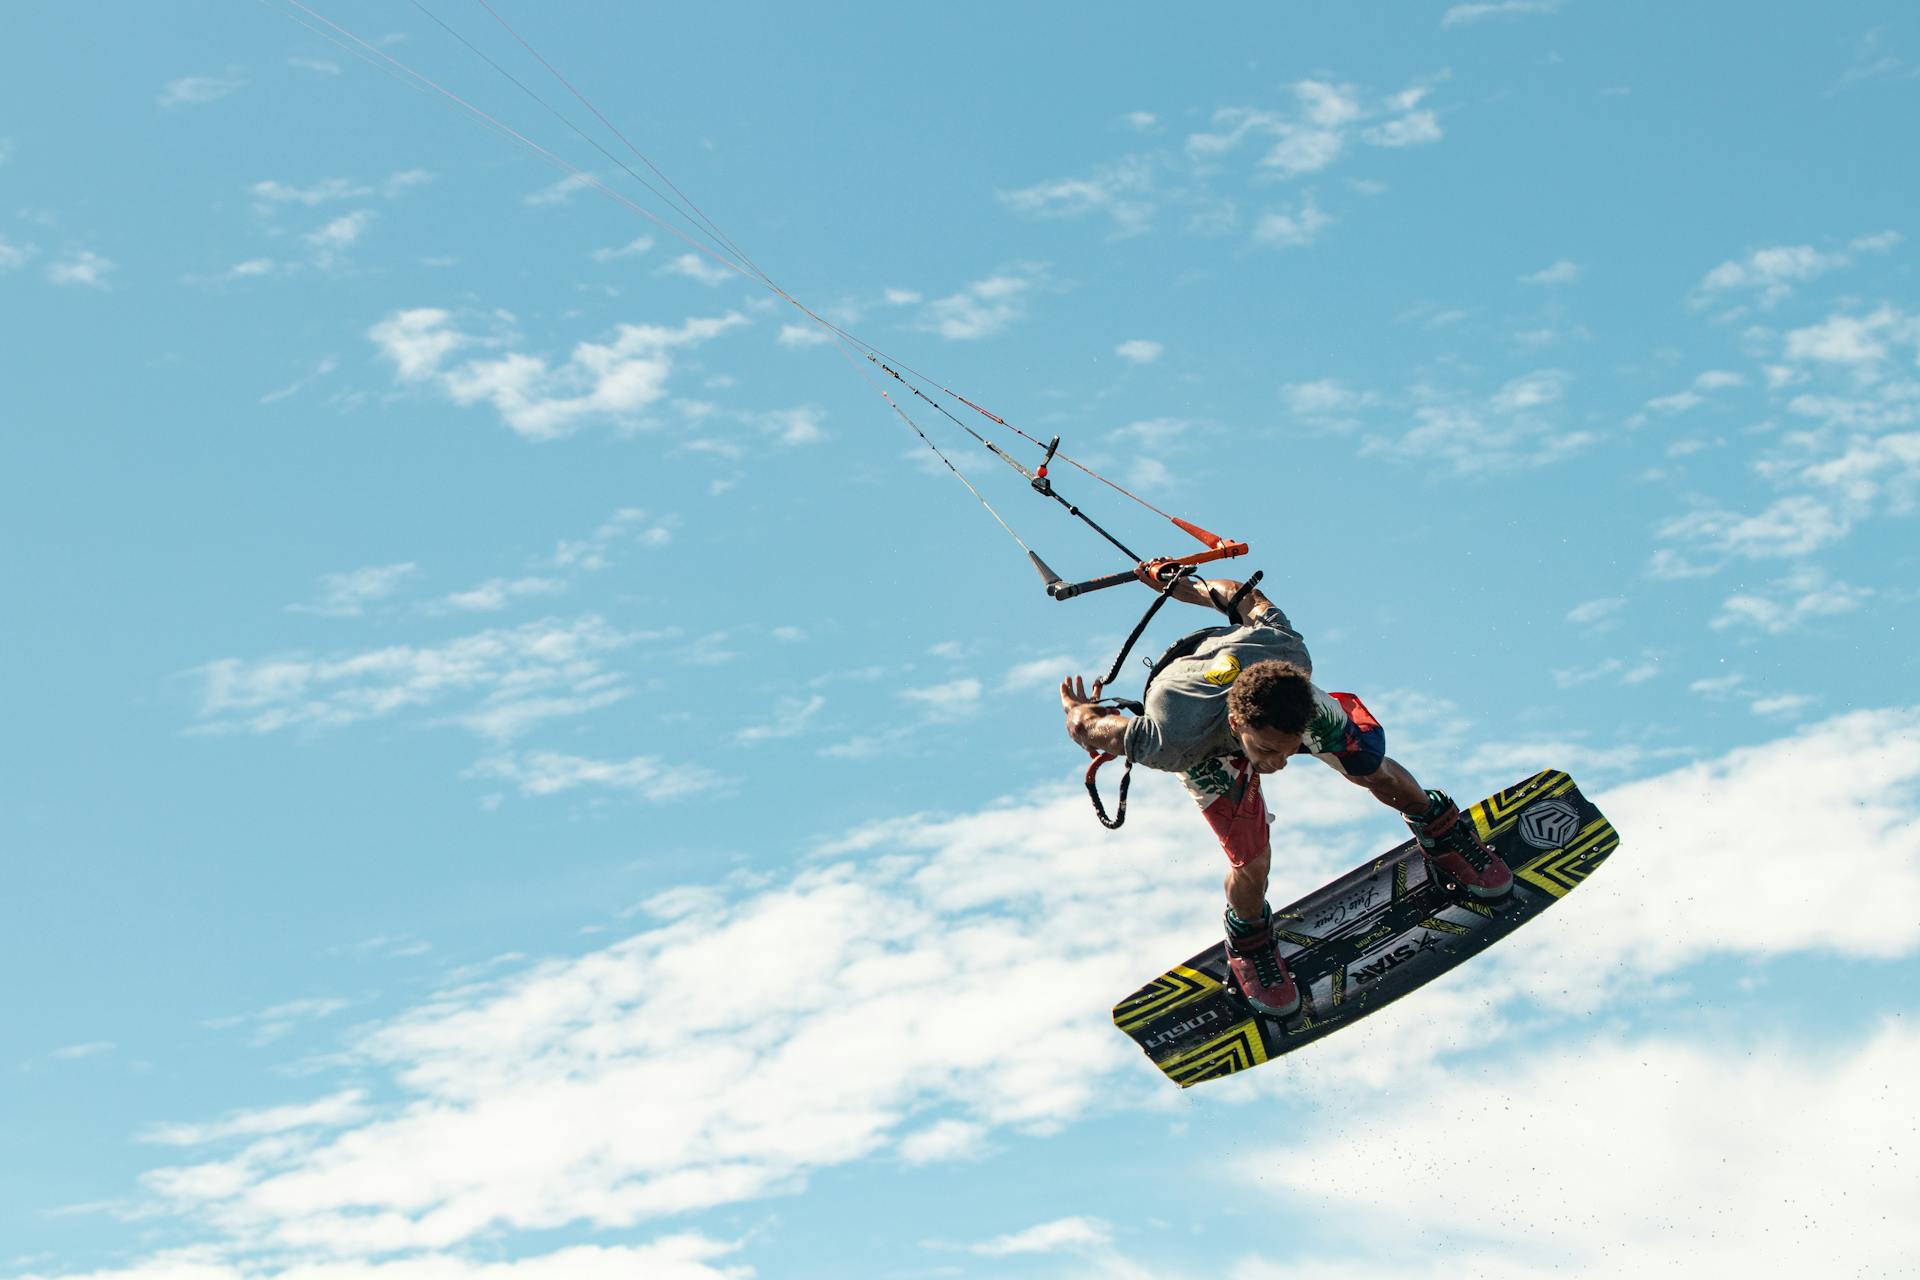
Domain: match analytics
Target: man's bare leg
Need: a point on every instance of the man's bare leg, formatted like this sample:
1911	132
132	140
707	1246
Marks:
1247	887
1394	787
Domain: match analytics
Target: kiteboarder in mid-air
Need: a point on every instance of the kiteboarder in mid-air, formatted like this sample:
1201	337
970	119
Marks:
1237	703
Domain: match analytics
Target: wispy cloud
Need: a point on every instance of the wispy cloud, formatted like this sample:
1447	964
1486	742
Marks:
1291	226
341	1109
1524	423
1057	1236
14	256
508	679
1590	612
984	308
792	717
631	249
331	241
347	594
1462	14
1791	603
548	773
1139	351
650	1099
268	1025
194	91
1561	272
1874	58
1769	276
82	267
700	269
613	382
1681	1114
1324	121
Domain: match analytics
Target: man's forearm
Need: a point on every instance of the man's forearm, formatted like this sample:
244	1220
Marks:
1215	592
1098	729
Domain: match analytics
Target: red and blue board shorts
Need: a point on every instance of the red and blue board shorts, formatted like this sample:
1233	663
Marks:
1227	788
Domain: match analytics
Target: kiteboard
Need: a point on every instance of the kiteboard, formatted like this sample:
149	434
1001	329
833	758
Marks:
1371	936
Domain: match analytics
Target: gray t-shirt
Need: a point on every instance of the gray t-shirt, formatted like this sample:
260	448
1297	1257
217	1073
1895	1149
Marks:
1186	705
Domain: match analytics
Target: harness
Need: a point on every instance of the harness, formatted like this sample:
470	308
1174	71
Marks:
1181	648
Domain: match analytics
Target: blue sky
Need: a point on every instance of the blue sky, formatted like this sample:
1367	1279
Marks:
520	764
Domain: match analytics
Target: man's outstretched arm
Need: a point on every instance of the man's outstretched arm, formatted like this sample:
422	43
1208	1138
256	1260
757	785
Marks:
1096	728
1210	593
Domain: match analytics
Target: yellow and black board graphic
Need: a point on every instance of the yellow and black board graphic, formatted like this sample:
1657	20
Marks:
1371	936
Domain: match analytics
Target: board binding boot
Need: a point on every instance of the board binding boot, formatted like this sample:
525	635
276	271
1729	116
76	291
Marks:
1254	957
1456	852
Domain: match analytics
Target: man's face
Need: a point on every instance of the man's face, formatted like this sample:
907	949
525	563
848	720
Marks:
1268	749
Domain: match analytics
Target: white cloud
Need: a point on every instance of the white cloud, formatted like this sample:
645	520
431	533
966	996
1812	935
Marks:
334	1112
1327	403
942	1141
496	594
1796	525
1561	272
1678	402
1412	129
700	269
561	191
1783	704
13	255
949	700
1293	226
1873	59
91	1049
1041	673
1771	274
271	1024
337	236
803	335
614	381
548	773
793	427
1127	192
611	1088
792	718
1672	1163
984	308
511	678
83	267
1140	121
1793	602
627	525
417	341
1461	14
1139	351
677	1257
1521	424
199	90
631	249
1592	611
1061	1234
1306	136
1854	340
271	192
346	595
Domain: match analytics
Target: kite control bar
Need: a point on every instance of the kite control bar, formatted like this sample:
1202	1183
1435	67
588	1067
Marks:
1068	590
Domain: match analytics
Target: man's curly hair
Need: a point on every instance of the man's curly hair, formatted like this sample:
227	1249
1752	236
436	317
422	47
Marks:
1273	695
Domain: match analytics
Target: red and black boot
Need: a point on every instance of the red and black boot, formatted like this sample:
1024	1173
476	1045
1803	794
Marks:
1456	850
1254	956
